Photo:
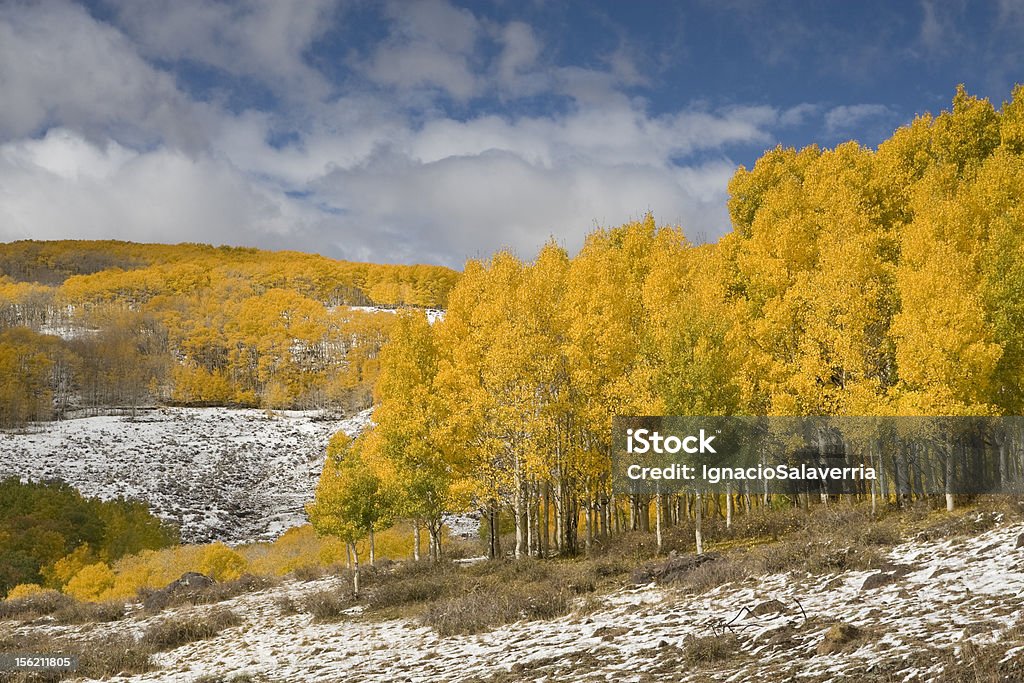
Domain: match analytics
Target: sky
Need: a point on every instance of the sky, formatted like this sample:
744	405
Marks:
434	131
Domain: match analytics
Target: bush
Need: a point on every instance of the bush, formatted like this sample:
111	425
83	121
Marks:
112	656
156	600
480	611
328	605
24	590
99	657
91	582
221	562
177	631
34	605
229	678
700	651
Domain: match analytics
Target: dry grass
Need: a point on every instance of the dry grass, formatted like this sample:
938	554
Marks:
99	656
179	630
710	650
62	608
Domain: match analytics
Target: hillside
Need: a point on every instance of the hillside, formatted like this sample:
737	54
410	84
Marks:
87	272
91	326
222	475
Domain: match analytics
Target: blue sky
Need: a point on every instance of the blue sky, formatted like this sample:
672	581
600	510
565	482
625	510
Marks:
435	131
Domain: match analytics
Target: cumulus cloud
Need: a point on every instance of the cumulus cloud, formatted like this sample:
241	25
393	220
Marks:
63	186
469	206
101	137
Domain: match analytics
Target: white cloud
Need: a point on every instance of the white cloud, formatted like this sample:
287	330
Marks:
846	118
796	115
520	50
471	206
63	186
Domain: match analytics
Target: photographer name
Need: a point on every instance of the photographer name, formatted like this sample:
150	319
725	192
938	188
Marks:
714	475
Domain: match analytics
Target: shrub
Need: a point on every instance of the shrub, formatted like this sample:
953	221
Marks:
155	600
698	651
177	631
24	590
112	656
99	657
35	605
221	562
327	605
90	612
91	582
479	611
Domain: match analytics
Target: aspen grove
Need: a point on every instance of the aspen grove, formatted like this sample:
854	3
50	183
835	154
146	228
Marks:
854	281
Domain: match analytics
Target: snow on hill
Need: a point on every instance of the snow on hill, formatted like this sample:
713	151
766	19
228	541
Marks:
946	594
230	475
433	314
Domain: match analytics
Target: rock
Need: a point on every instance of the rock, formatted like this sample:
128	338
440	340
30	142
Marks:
671	569
837	637
768	607
878	580
1020	541
189	583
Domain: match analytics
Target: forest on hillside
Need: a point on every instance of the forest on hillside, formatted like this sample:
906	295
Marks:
100	325
855	281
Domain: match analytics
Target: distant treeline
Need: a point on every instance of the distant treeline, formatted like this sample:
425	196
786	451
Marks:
100	324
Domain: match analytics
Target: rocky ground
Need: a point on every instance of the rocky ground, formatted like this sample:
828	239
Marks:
932	605
228	475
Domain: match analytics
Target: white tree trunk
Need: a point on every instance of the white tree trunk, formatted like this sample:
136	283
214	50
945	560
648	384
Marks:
517	503
728	506
355	570
698	536
416	540
657	521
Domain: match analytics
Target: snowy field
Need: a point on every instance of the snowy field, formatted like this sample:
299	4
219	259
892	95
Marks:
228	475
946	593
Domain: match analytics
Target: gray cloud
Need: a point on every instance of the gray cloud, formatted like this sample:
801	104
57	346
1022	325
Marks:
261	39
59	67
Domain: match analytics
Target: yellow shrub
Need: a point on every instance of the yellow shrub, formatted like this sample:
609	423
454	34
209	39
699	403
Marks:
221	562
91	582
24	590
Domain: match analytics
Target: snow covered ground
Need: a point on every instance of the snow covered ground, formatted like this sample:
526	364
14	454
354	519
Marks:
950	592
229	475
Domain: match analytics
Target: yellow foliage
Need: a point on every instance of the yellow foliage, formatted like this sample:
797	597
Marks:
24	590
221	563
91	583
64	569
